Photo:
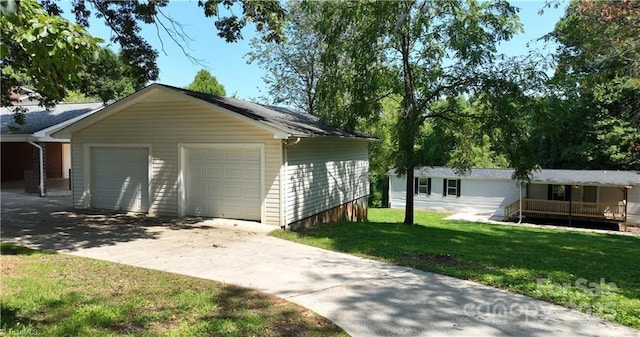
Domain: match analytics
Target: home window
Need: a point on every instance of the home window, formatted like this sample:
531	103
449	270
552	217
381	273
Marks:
423	186
558	192
451	187
590	194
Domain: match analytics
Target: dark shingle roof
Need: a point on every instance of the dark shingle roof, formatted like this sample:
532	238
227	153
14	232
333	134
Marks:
287	120
39	118
581	177
588	177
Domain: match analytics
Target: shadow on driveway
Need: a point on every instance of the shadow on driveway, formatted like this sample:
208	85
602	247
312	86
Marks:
51	224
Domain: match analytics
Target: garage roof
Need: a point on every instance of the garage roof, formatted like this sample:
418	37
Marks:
550	176
293	122
282	122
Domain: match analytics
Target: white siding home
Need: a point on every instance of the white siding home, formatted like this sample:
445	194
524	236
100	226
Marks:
593	195
170	151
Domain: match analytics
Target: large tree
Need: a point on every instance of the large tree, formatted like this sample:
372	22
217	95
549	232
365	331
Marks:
293	65
206	83
43	50
108	77
424	51
593	120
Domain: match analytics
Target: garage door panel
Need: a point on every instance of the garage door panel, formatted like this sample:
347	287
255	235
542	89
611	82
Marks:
119	178
231	182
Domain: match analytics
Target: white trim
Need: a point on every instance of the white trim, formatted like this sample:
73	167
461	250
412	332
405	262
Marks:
182	203
86	154
47	132
284	178
24	138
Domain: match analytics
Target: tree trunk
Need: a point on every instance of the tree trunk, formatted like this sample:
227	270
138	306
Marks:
408	210
408	127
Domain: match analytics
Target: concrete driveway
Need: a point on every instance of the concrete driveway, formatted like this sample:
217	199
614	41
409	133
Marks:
364	297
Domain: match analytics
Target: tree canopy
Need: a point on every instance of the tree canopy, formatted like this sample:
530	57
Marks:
41	50
592	120
52	64
206	83
293	65
424	52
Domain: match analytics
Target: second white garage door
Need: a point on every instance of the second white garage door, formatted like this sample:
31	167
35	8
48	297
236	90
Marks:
223	182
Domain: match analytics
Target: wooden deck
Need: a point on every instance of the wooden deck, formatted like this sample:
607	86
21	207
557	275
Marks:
578	209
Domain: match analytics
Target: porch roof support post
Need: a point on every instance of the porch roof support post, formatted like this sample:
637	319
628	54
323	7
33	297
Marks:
520	208
626	202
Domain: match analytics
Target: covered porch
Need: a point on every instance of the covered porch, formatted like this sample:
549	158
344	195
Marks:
595	211
580	202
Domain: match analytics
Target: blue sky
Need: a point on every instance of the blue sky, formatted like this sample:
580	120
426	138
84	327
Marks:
227	61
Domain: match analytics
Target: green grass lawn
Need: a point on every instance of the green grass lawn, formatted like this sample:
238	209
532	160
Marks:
62	295
596	273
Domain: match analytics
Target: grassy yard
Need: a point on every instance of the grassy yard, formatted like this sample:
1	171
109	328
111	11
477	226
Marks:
61	295
591	272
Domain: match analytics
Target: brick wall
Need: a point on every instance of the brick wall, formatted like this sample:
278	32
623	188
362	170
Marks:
54	160
16	158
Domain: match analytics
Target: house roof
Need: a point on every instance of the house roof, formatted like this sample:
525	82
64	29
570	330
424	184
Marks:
38	118
283	122
550	176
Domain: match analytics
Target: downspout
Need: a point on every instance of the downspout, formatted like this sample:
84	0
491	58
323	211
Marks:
41	159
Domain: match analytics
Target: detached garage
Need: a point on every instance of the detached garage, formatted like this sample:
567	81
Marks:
170	151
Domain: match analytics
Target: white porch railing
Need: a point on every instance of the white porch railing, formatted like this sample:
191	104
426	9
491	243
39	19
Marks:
607	211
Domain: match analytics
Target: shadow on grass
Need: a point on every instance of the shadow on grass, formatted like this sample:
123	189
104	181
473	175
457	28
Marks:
504	255
240	305
11	318
11	249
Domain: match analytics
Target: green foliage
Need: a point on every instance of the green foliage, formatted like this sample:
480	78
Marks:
597	86
42	51
293	65
462	143
108	77
267	15
507	257
207	83
420	51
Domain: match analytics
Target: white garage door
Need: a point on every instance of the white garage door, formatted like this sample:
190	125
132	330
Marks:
223	182
120	178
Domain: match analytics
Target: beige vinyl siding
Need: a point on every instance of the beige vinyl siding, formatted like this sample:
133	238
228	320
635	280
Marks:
165	120
323	173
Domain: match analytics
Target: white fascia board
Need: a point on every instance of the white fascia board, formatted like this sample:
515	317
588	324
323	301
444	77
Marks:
14	138
33	138
47	133
104	112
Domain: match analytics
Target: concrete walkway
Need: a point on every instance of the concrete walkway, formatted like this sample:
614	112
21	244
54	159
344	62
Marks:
364	297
